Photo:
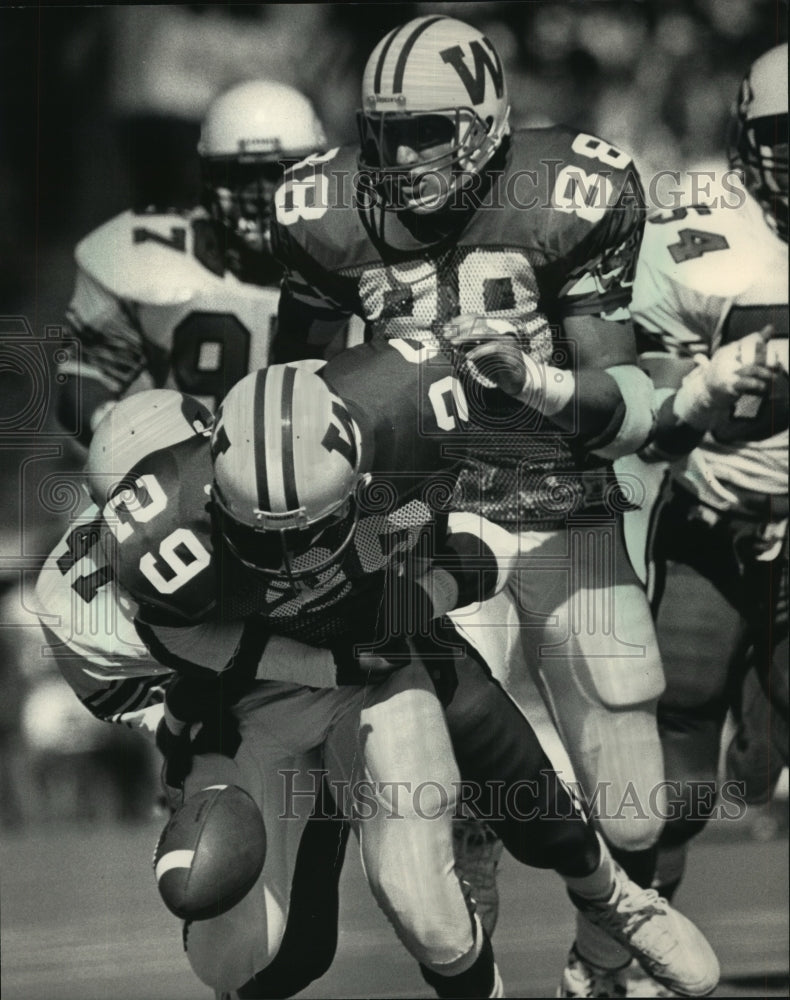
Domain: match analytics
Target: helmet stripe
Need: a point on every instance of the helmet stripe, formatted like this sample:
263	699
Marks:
289	474
400	67
259	411
382	57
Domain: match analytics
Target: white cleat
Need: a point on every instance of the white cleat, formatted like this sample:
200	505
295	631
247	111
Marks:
477	852
667	944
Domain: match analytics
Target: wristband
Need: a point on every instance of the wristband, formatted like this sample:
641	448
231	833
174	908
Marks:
546	388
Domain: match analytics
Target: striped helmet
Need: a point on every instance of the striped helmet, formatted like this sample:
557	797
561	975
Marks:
286	457
758	136
135	427
431	82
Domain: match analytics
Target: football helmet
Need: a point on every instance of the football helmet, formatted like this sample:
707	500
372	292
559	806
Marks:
250	134
758	135
286	457
136	426
434	82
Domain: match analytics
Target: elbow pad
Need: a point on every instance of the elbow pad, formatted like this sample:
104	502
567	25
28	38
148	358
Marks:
633	423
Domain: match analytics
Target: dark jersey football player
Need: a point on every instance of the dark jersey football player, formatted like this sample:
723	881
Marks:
445	228
310	541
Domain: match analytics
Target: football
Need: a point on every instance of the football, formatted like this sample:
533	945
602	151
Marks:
211	852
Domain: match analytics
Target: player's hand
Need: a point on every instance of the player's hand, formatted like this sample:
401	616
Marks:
489	352
739	368
176	748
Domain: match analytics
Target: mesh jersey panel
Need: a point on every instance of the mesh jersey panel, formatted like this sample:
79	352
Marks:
345	599
514	474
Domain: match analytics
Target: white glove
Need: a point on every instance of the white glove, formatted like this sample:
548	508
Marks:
735	370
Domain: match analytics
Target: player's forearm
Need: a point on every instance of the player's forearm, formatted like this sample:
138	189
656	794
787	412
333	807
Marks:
610	411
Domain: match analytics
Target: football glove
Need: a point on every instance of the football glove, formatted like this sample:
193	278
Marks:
735	370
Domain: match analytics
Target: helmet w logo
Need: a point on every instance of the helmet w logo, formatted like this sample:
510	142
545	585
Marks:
475	83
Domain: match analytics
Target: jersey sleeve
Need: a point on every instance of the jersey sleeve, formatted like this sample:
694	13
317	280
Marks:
315	302
601	285
106	358
88	625
669	301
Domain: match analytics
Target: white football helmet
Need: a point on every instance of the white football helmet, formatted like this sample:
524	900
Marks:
759	139
433	81
286	457
136	426
250	134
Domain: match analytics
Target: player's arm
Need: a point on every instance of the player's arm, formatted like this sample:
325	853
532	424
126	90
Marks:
88	630
310	314
108	357
601	396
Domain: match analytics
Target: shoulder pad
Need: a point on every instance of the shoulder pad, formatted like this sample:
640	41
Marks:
147	258
701	248
161	532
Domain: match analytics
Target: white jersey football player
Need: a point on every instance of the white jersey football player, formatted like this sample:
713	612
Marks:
711	292
189	301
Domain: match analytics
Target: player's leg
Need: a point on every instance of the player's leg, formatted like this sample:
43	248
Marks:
395	756
587	635
276	765
759	749
509	779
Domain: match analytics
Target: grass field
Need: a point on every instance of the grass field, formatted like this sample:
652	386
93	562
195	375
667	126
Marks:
81	920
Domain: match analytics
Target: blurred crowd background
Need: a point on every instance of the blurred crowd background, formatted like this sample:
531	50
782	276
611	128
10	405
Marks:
100	110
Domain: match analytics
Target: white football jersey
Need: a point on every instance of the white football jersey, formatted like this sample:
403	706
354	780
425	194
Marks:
90	632
707	276
152	300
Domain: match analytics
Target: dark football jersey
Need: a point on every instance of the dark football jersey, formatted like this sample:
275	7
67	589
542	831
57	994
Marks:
552	231
174	563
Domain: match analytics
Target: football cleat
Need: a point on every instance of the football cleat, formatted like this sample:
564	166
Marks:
477	852
638	983
667	944
583	979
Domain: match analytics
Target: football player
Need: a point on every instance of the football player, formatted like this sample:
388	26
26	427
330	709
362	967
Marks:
711	293
295	571
189	300
442	226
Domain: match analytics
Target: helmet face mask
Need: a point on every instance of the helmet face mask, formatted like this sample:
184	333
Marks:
240	196
444	143
249	136
758	139
434	112
296	558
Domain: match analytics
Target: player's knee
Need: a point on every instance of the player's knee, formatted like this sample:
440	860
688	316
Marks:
691	804
429	914
227	961
632	833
